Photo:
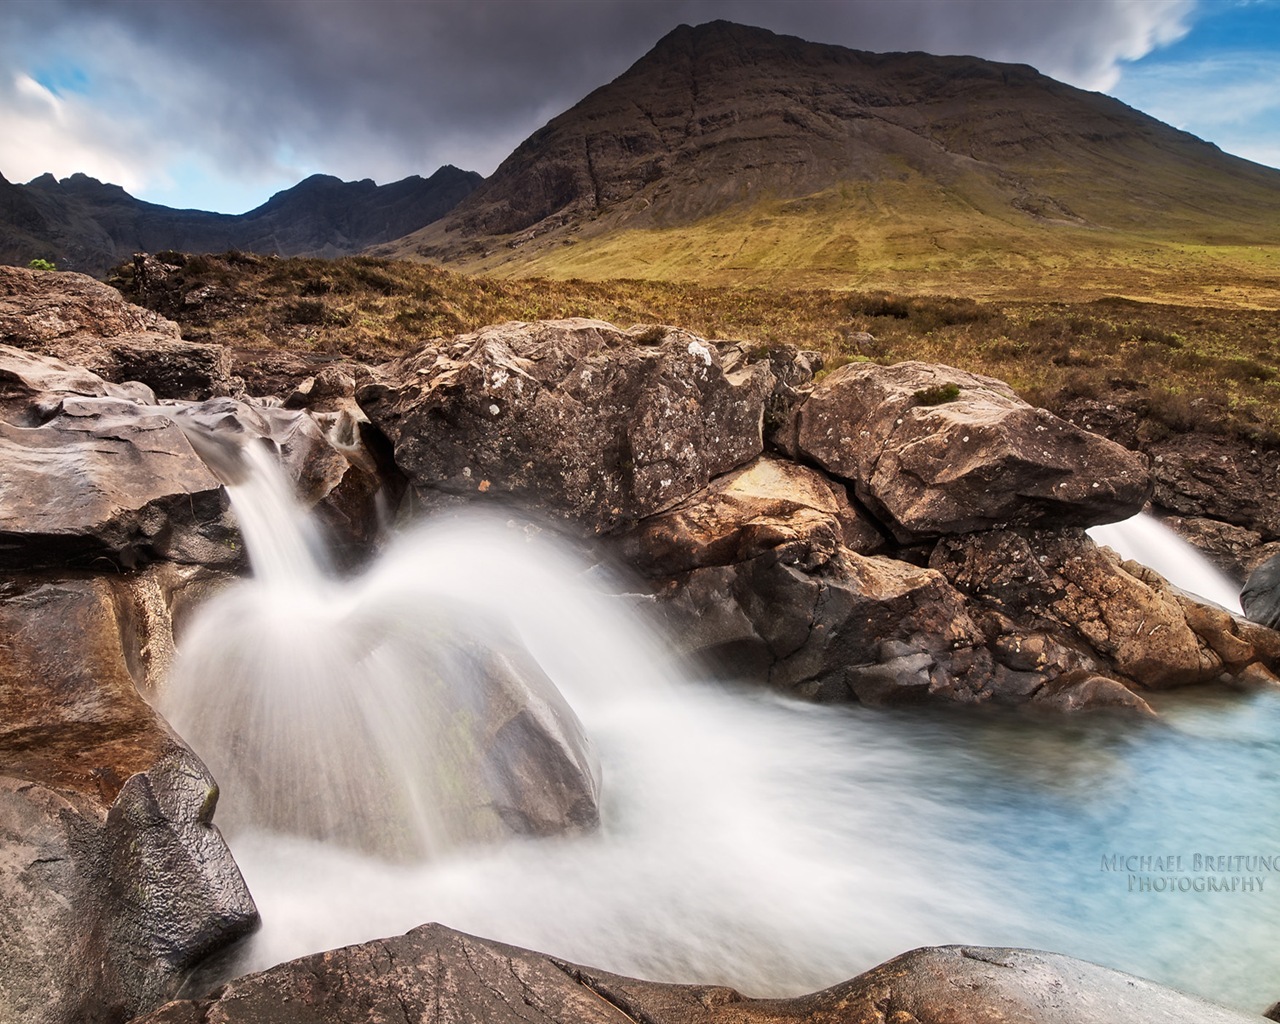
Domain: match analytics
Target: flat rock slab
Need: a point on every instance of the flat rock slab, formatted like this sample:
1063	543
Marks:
445	977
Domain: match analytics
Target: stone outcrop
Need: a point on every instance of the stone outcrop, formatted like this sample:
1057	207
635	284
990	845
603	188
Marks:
87	323
113	881
574	418
933	450
1260	597
94	473
437	974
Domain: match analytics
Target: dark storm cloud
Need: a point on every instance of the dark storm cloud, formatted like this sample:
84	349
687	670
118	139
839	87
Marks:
384	88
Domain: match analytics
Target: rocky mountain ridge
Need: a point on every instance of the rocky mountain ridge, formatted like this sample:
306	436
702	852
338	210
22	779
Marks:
842	160
83	224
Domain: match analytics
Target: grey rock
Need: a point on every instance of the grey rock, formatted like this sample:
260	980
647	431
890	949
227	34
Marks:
436	974
574	418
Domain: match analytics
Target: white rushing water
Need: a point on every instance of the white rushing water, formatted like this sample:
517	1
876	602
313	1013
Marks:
1144	539
745	839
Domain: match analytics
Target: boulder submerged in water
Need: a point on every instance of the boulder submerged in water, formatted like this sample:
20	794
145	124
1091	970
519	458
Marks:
437	974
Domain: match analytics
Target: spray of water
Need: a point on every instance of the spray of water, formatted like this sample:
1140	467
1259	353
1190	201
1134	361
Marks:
385	713
744	839
1148	541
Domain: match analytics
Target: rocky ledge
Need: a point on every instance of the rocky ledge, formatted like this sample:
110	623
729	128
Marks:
436	974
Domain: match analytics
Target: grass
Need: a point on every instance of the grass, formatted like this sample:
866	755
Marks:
911	236
1195	366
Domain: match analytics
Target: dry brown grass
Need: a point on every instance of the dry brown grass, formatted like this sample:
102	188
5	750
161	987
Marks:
1215	368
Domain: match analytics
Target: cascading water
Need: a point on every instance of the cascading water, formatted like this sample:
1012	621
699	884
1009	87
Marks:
744	839
1144	539
381	712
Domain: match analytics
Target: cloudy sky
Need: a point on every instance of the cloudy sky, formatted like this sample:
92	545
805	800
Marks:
217	104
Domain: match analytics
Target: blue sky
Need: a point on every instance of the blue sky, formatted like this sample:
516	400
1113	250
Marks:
217	105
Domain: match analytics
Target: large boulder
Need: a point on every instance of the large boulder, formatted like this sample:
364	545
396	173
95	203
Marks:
88	323
1260	597
437	974
571	417
114	883
97	474
932	450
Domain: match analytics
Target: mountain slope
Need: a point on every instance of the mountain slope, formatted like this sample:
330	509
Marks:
83	224
731	154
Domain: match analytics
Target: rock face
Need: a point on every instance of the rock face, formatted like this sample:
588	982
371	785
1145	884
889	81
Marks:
92	472
113	881
572	417
932	450
1261	595
436	974
90	325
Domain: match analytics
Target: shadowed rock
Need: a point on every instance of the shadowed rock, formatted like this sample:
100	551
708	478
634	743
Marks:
439	975
113	881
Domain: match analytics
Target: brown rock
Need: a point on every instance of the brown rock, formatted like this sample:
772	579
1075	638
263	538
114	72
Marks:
1058	589
766	505
1208	476
113	883
571	417
85	322
93	473
1234	550
436	974
932	450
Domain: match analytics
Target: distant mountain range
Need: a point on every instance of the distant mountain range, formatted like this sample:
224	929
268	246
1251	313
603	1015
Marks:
729	154
82	224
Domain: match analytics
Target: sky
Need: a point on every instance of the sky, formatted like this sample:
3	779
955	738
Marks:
218	104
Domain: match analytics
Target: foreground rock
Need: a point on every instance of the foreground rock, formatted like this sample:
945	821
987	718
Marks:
436	974
570	417
88	323
113	881
933	450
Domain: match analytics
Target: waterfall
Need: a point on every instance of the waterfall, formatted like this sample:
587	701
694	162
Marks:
1146	540
392	712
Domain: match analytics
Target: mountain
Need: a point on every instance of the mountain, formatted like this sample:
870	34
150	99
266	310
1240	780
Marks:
83	224
729	154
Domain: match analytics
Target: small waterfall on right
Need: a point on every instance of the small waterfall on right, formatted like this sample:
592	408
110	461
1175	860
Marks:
1145	539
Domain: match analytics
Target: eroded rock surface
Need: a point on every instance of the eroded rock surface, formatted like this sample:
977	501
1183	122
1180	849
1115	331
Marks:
573	417
113	880
98	474
446	977
933	450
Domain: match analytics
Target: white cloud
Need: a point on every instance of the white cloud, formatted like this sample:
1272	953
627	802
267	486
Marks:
1233	100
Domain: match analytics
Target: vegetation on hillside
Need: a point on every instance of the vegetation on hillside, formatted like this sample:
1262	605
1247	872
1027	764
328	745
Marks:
1180	367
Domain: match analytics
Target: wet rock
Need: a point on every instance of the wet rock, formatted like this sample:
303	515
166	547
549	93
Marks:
1234	550
85	322
1260	597
573	417
1075	607
869	629
96	474
933	450
769	504
113	881
436	974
